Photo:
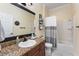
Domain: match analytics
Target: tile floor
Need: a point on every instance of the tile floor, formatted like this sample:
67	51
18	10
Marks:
63	50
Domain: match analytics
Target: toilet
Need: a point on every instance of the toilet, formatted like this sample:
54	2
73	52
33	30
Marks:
48	49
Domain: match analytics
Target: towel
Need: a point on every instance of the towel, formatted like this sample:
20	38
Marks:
2	37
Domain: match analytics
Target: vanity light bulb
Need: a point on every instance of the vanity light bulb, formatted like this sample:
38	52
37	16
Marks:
29	4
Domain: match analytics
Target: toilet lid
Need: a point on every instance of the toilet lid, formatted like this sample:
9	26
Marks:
48	44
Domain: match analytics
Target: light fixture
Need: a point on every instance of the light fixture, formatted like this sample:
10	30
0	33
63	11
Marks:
23	4
27	4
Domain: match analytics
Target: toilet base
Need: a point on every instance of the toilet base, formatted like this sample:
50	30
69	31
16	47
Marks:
48	52
48	49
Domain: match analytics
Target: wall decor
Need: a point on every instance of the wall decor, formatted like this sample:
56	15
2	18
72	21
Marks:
27	4
23	4
40	22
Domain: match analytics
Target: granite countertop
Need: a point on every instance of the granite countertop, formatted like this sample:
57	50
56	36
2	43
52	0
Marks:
14	50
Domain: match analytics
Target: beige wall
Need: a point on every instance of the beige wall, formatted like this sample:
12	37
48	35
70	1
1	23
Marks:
62	13
46	11
76	30
21	14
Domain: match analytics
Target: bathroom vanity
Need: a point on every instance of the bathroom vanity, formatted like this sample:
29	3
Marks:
14	50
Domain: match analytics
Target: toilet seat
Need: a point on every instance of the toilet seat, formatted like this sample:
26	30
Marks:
49	45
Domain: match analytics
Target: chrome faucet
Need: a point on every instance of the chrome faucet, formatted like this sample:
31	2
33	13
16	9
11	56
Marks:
17	39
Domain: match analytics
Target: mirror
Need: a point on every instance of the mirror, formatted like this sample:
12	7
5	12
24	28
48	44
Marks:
26	24
16	21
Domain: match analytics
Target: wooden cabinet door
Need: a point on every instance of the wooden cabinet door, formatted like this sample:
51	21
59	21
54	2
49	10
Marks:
39	50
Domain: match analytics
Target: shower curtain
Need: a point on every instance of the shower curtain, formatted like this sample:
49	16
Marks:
50	35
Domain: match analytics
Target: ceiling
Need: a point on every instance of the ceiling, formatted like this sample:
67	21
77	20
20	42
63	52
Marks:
54	5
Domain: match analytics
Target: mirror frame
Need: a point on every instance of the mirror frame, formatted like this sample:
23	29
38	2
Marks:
18	5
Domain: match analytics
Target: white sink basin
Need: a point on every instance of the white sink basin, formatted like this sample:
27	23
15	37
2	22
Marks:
26	44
